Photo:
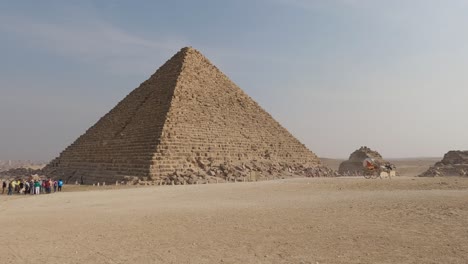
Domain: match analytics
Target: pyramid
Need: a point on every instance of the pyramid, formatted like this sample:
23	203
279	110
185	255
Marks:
187	123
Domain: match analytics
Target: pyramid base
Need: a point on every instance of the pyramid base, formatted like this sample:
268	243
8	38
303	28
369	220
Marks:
200	174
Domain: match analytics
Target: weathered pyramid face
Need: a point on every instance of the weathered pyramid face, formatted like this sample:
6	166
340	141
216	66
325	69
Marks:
187	117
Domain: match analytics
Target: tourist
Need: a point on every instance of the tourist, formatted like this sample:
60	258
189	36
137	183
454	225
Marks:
21	186
10	187
26	189
13	185
60	184
31	185
37	186
47	186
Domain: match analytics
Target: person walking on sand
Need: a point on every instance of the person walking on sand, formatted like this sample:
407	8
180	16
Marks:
18	186
13	185
55	185
60	184
26	187
47	186
37	187
31	187
10	188
4	185
21	187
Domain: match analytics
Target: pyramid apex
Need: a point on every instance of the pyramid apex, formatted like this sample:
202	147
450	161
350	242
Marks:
189	53
189	49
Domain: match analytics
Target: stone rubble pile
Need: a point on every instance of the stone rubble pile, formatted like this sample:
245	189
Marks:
19	173
246	172
454	163
354	165
6	165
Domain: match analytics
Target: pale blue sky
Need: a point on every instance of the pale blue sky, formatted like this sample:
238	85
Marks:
338	74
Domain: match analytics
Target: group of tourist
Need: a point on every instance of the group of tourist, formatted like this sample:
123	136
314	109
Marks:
31	186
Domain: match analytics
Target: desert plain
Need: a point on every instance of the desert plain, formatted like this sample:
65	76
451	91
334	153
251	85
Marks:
305	220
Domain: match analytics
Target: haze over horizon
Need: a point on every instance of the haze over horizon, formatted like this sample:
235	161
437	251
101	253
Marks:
337	74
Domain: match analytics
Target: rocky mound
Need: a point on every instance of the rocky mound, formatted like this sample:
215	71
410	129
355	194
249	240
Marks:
19	173
454	163
207	172
353	166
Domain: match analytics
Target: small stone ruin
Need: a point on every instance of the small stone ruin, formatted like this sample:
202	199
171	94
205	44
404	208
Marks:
353	166
454	163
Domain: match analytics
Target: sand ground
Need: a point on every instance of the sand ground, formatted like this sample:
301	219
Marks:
341	220
405	166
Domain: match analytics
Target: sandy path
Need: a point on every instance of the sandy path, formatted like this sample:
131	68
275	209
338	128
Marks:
403	220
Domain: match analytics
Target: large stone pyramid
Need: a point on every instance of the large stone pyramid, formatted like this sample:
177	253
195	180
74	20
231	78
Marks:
187	123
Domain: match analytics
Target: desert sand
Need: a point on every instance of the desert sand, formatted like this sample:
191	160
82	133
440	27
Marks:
314	220
405	166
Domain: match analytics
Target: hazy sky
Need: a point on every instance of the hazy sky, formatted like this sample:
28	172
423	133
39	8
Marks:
338	74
